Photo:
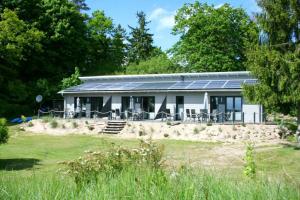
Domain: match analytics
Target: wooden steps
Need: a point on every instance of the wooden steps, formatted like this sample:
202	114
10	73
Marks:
114	127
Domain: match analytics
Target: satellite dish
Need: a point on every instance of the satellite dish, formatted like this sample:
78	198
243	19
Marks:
39	98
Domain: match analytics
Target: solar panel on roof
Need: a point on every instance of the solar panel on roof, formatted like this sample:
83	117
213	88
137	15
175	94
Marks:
160	85
197	85
234	84
250	81
215	84
180	85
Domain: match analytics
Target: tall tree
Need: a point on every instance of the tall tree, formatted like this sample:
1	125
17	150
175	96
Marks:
276	61
100	29
118	47
140	45
212	39
17	40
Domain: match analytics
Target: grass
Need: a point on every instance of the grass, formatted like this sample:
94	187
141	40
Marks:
29	164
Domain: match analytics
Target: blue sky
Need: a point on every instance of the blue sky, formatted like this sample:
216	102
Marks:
160	12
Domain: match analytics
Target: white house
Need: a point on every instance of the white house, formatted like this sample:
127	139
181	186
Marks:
215	96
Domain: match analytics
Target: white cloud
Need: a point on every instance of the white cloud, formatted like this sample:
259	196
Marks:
219	5
163	18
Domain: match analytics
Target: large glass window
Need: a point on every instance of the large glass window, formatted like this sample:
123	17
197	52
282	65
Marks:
231	106
139	104
234	108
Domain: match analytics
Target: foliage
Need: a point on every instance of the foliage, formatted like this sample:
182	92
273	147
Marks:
154	65
40	43
196	130
276	60
74	124
3	131
140	45
212	39
250	166
73	80
53	124
115	160
23	118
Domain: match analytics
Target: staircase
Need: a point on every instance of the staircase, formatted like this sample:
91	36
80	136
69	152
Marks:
114	127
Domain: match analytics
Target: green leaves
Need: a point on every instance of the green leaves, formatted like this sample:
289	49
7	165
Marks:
141	41
72	80
212	39
276	64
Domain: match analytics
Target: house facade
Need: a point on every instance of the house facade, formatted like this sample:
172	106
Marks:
215	96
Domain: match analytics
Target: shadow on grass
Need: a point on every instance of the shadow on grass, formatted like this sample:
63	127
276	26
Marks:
294	146
18	163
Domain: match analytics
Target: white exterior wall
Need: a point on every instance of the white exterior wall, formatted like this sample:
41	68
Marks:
249	111
69	104
192	100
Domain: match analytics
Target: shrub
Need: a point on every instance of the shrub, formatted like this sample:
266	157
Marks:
169	123
53	124
250	167
74	125
152	129
3	131
30	124
46	119
23	118
86	168
91	128
166	135
196	130
234	128
63	126
86	122
142	132
208	124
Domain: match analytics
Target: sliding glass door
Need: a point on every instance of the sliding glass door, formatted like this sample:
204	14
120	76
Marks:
226	108
234	108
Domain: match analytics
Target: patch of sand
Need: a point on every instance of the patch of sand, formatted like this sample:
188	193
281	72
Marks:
257	133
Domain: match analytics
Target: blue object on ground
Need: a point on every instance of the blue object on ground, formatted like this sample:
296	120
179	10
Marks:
15	120
19	120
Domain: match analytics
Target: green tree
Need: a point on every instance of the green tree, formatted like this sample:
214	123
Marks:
140	45
73	80
212	39
276	61
17	40
155	65
118	47
100	29
3	131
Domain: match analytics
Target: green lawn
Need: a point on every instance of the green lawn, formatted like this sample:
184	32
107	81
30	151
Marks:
29	163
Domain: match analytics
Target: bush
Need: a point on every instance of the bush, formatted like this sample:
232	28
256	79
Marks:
166	135
88	167
250	167
30	124
74	125
91	128
3	131
23	118
208	124
53	124
169	123
196	130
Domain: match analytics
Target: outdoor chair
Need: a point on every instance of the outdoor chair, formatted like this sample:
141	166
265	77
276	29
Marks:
203	115
214	116
168	114
193	114
113	114
118	114
188	114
